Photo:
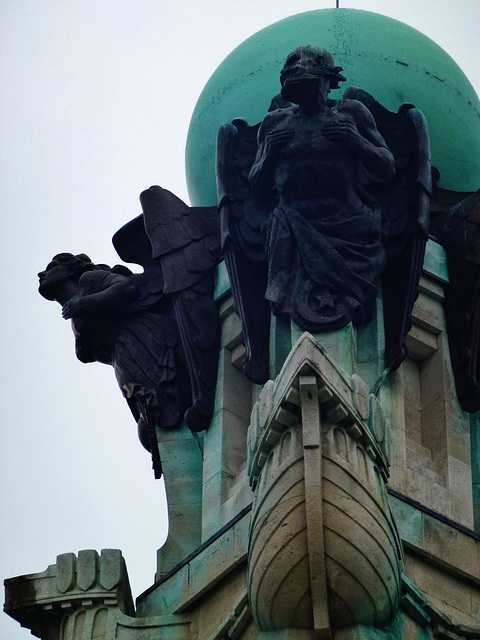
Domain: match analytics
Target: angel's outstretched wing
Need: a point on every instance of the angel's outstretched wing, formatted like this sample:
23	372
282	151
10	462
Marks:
176	245
404	202
179	248
186	242
242	217
457	228
185	239
132	245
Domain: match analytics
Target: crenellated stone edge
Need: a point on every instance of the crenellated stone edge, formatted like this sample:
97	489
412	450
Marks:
73	581
91	590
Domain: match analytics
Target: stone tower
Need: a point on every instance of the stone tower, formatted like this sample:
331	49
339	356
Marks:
330	502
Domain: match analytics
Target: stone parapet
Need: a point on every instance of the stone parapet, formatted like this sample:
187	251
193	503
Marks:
85	597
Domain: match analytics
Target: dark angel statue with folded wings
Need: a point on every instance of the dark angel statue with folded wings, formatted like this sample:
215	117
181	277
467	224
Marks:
158	329
317	202
456	226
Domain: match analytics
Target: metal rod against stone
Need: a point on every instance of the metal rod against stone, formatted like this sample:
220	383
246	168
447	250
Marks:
198	442
376	387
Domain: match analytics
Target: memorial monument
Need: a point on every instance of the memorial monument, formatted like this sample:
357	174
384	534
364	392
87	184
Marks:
300	354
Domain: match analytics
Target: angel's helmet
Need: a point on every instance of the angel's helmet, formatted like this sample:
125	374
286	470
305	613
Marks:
308	63
63	266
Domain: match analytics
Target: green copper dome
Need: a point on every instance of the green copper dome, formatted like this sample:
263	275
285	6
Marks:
390	60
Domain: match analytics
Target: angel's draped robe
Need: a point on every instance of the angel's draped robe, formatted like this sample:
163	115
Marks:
141	347
323	265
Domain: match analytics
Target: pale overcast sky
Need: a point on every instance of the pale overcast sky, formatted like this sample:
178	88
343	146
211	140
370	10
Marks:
96	98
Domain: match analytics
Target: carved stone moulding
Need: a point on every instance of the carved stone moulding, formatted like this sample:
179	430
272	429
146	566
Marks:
324	550
85	597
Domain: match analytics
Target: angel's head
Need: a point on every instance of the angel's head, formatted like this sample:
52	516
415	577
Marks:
308	65
64	268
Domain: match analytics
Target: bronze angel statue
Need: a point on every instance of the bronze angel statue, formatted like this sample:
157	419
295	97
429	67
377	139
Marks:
456	226
158	329
317	202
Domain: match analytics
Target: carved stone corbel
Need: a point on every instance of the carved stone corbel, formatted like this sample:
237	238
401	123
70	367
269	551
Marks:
324	550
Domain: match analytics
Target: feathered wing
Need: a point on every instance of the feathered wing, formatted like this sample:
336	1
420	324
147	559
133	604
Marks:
186	242
456	225
404	203
179	248
242	217
133	245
